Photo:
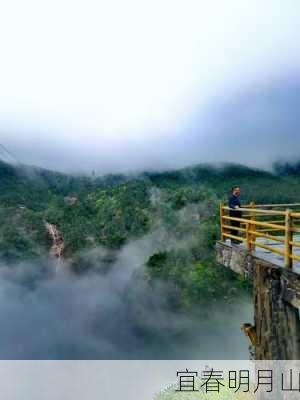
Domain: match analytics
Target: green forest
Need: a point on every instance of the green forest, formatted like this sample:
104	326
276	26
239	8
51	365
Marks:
179	208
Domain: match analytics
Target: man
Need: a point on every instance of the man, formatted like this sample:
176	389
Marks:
235	205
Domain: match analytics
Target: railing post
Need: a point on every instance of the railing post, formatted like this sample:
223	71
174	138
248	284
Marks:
221	221
253	227
248	237
288	251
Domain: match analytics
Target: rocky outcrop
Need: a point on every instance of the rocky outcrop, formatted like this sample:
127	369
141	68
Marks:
70	200
57	247
276	298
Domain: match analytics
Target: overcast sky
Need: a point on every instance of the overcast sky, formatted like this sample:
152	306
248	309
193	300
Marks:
123	85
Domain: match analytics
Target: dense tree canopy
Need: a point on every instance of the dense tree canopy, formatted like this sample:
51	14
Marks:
113	210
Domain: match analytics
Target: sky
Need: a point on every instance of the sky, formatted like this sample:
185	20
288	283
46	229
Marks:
123	86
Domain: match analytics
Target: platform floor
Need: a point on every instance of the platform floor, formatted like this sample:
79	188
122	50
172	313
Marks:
273	257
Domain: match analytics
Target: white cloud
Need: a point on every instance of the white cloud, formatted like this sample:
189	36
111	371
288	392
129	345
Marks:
118	73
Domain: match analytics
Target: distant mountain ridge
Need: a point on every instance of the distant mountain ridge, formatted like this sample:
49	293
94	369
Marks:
113	209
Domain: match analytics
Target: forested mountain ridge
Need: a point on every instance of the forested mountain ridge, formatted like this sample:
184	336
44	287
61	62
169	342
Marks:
179	207
113	209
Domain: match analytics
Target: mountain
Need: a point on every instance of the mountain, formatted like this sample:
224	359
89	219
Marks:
176	211
113	209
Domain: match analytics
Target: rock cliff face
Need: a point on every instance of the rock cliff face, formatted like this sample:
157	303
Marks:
57	247
276	299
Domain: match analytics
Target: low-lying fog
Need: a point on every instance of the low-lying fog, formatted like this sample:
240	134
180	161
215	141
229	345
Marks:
109	314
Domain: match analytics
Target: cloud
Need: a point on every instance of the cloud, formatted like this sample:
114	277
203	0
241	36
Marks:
108	314
118	86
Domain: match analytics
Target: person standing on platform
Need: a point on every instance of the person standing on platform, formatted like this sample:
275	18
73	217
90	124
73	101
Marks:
235	205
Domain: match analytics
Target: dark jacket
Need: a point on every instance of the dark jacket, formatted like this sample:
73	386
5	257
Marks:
233	202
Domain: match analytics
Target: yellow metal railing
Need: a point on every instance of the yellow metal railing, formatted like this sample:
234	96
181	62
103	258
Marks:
276	223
